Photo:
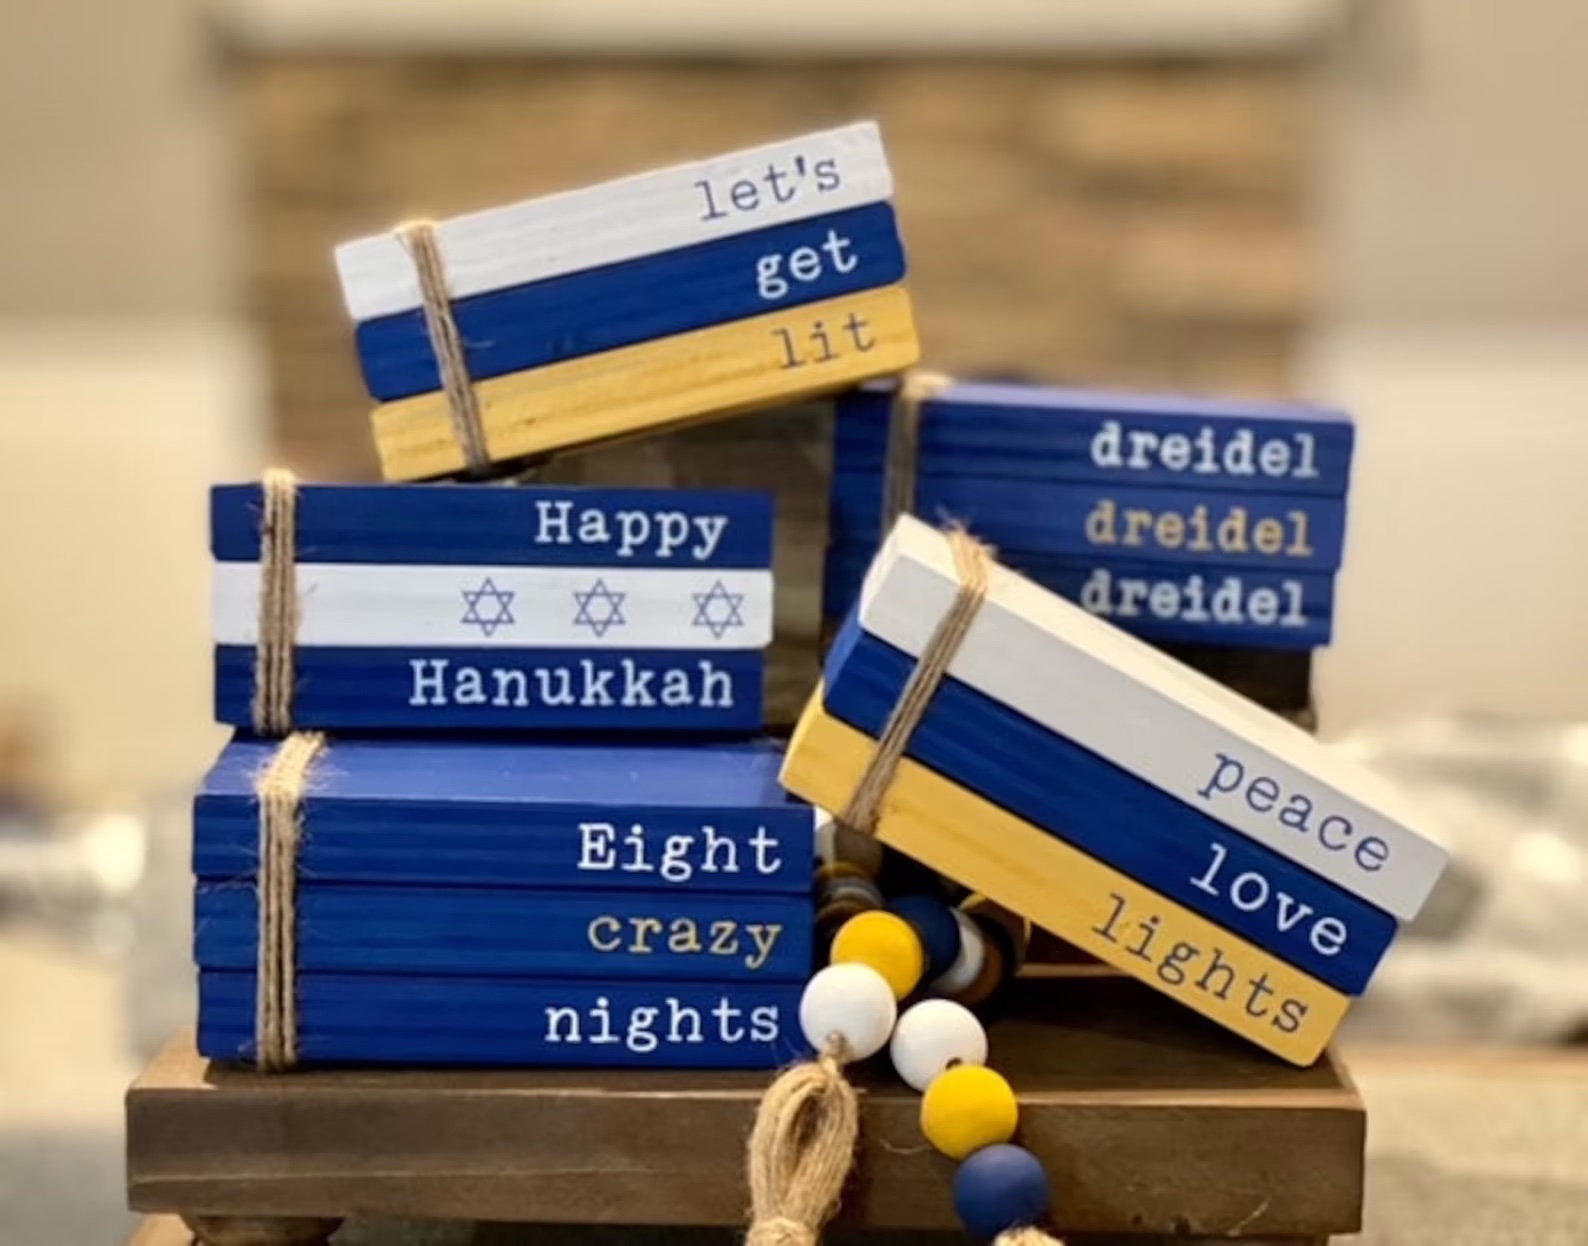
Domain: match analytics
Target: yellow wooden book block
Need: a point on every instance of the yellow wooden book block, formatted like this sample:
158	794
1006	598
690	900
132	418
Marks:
724	370
1100	910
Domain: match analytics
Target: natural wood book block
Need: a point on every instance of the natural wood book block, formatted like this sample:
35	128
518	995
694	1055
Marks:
1150	1122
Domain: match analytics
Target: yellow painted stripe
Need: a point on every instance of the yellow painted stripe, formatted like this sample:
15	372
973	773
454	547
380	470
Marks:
1039	876
724	370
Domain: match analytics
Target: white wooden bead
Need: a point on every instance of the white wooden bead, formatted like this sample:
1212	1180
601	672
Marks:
968	964
934	1035
850	1000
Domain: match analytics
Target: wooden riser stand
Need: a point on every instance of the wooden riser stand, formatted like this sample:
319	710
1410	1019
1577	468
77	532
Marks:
1154	1125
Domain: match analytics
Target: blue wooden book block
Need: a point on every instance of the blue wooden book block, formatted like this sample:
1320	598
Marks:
442	607
366	1019
663	294
495	525
1028	432
1170	526
1194	605
515	932
352	689
1109	814
698	819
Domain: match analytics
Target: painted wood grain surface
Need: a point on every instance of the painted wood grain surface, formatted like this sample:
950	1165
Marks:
607	841
1109	814
483	607
601	309
1161	602
735	193
534	690
522	525
497	771
1175	527
1101	911
1149	1119
373	1020
711	373
515	932
1047	433
1163	722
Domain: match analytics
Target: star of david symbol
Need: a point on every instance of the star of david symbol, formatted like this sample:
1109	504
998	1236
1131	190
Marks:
599	608
718	610
489	607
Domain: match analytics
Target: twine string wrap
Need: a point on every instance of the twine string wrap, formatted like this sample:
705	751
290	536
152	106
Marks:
971	563
801	1150
279	788
274	675
903	451
446	343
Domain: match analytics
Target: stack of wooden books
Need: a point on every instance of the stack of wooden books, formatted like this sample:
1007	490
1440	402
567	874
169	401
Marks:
486	607
756	278
512	902
1119	799
545	826
1180	520
501	794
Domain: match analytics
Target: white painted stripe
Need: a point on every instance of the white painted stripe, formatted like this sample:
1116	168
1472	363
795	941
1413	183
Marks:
1163	722
349	606
622	220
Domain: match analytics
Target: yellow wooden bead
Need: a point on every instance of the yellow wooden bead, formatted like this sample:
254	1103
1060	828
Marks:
966	1108
887	944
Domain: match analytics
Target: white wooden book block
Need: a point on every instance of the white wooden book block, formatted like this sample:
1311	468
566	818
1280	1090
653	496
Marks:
506	607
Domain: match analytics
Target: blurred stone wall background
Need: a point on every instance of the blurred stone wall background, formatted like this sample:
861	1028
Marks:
1118	223
1100	223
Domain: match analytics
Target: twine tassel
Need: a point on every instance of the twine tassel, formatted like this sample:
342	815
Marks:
801	1151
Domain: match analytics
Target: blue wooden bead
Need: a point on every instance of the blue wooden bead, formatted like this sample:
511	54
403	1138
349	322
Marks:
1000	1187
934	922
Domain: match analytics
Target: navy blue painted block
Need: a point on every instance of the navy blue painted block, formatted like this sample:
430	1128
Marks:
500	525
1197	605
1028	432
672	292
1116	818
703	818
515	932
362	1019
1172	526
410	689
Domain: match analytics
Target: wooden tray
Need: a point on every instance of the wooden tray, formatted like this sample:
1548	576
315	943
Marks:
1150	1121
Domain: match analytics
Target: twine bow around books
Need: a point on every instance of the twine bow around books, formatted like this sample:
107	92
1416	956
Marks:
275	675
419	238
280	788
902	452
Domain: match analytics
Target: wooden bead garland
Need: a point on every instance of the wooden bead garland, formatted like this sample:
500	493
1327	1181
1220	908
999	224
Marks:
968	1111
807	1127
